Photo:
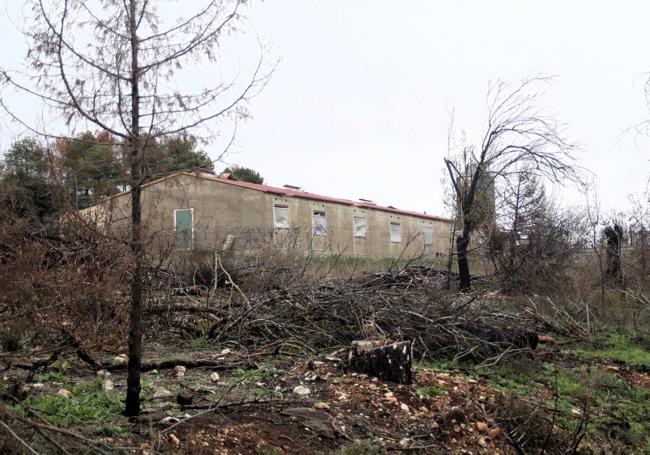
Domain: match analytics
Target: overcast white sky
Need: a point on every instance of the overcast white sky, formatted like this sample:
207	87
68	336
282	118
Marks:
358	106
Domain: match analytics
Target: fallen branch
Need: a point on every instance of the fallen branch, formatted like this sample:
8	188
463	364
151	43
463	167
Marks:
18	438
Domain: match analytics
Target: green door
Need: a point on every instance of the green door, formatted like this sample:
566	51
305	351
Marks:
183	225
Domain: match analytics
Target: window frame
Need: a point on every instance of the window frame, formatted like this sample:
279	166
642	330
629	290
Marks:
313	224
390	231
424	238
191	243
354	230
275	219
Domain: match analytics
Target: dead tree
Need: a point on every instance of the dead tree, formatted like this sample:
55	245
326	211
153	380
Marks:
119	66
518	136
614	239
639	217
534	240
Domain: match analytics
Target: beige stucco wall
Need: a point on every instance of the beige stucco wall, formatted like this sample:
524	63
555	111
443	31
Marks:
220	209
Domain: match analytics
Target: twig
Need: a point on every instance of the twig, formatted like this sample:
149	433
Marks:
18	438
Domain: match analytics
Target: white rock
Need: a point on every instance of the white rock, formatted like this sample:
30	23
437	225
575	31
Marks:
161	392
301	391
121	359
404	407
225	351
38	385
343	396
103	374
154	372
167	420
214	377
180	370
108	385
63	393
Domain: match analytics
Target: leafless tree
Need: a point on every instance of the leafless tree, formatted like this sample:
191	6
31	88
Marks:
594	239
534	240
639	223
518	136
128	68
522	203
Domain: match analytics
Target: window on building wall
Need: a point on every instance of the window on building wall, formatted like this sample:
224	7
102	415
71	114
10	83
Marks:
395	232
359	226
281	216
184	229
427	235
319	222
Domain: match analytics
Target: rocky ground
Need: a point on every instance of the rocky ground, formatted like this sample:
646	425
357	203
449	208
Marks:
248	404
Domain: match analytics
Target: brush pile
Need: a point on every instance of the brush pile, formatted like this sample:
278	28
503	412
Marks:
410	304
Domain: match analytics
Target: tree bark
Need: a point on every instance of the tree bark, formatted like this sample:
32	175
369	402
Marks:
389	362
614	237
462	243
450	258
643	258
134	366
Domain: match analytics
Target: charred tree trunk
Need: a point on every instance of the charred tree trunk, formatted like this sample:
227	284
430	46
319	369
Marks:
450	258
388	362
135	316
642	253
462	244
132	407
614	237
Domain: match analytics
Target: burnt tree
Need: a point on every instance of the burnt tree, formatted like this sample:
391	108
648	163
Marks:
518	136
387	361
614	239
120	66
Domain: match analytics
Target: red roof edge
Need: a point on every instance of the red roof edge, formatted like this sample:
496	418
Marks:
315	197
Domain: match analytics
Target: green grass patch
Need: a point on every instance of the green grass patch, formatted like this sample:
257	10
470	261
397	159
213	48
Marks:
145	386
88	404
619	412
620	347
52	376
346	266
202	342
267	451
110	430
363	447
207	389
427	392
243	376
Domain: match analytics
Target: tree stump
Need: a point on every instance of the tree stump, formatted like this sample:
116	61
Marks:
389	362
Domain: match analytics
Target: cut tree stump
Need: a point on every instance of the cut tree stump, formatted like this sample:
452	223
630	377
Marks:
387	361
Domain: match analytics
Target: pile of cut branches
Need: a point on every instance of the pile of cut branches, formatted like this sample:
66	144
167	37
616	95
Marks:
407	304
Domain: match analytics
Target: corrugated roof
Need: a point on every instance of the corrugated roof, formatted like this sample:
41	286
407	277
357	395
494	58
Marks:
316	197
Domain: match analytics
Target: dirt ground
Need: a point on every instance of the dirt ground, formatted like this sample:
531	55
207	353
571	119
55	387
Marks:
264	405
341	408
